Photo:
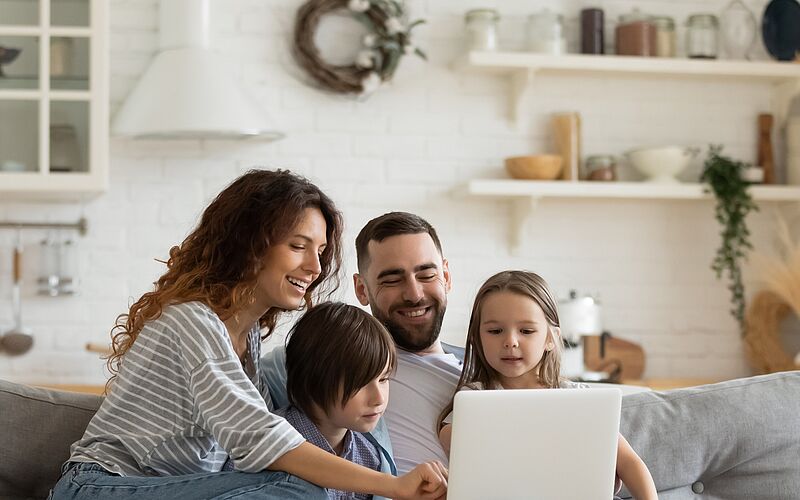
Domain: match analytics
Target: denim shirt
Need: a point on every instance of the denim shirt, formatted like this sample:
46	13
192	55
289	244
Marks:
273	374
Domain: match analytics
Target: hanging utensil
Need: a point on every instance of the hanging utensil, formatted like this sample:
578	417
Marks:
17	340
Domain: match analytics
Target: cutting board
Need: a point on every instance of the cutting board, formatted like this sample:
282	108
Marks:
605	352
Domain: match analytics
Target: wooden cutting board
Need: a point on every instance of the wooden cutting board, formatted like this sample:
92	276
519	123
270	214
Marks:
606	352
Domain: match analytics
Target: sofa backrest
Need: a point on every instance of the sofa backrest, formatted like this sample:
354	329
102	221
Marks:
38	426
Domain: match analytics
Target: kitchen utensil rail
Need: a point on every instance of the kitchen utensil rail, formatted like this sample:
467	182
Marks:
82	225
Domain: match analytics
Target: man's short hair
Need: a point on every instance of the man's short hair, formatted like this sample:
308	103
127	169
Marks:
333	351
387	225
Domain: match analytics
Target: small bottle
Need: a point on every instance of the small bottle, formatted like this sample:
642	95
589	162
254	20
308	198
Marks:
665	36
546	33
481	25
592	32
701	36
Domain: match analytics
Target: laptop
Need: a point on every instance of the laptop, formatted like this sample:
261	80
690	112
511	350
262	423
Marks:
537	444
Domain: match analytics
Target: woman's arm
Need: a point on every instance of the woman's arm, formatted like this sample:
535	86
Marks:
633	472
445	433
425	481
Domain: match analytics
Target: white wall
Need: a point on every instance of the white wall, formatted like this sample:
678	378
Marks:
407	148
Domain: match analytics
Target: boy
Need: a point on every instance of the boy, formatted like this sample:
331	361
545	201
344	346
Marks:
338	362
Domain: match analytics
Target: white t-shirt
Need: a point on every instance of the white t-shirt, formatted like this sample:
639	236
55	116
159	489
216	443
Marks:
419	391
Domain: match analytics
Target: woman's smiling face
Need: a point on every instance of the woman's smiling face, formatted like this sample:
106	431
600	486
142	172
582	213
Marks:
292	265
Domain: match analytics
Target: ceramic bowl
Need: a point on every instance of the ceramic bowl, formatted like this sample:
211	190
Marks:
661	164
535	167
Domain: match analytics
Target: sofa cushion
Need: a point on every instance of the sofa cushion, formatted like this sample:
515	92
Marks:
38	428
738	439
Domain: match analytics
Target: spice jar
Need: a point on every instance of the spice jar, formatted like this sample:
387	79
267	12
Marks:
665	36
546	33
481	25
701	36
601	168
635	35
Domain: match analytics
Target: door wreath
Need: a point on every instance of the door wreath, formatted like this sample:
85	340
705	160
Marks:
387	41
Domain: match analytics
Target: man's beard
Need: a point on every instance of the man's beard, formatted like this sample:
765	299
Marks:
407	340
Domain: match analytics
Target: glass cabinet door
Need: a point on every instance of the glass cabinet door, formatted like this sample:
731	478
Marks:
19	136
69	13
19	12
69	136
19	62
69	63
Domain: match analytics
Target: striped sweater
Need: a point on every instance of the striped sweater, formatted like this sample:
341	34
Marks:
182	403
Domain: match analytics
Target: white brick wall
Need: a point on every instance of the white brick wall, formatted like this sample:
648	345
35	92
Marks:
406	148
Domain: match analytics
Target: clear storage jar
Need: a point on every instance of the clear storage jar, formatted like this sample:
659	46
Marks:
702	32
665	36
481	26
600	168
546	33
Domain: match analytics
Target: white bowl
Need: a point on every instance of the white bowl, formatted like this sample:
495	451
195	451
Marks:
661	164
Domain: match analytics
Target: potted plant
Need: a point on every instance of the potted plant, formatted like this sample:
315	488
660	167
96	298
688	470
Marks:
734	203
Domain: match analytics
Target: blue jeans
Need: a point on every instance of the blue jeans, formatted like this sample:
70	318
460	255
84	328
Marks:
88	481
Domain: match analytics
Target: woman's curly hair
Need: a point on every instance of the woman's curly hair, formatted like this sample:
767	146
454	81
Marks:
219	262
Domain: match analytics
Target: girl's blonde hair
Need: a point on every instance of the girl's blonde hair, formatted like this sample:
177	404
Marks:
476	368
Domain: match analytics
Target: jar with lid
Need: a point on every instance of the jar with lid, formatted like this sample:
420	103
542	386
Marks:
701	36
481	26
635	35
546	33
601	168
665	36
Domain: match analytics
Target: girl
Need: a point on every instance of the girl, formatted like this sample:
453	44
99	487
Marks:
184	417
514	342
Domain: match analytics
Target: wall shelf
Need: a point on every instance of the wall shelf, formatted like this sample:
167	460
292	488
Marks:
523	67
525	196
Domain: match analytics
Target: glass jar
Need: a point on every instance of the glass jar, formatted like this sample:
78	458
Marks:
546	33
665	36
601	168
635	35
481	26
701	36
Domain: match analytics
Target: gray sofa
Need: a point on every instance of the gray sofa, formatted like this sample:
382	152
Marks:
734	440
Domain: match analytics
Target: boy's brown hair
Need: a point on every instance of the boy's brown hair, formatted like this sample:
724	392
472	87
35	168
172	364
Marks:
333	351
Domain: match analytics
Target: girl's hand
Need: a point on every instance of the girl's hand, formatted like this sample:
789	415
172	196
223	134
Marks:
425	481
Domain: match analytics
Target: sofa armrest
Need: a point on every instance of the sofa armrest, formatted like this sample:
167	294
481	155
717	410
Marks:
39	426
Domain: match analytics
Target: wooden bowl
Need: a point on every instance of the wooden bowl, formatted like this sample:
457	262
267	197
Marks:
536	167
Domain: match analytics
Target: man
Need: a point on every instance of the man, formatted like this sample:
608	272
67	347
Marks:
404	278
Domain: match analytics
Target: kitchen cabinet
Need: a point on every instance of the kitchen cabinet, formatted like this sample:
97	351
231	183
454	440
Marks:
522	68
524	196
53	99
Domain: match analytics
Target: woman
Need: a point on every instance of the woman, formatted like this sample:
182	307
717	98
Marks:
183	417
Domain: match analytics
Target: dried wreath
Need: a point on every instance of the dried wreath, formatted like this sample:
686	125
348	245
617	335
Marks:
389	38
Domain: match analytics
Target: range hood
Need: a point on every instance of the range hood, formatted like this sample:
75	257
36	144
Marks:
187	92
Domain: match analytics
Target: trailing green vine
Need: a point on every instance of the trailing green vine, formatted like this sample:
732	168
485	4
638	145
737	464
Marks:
724	176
